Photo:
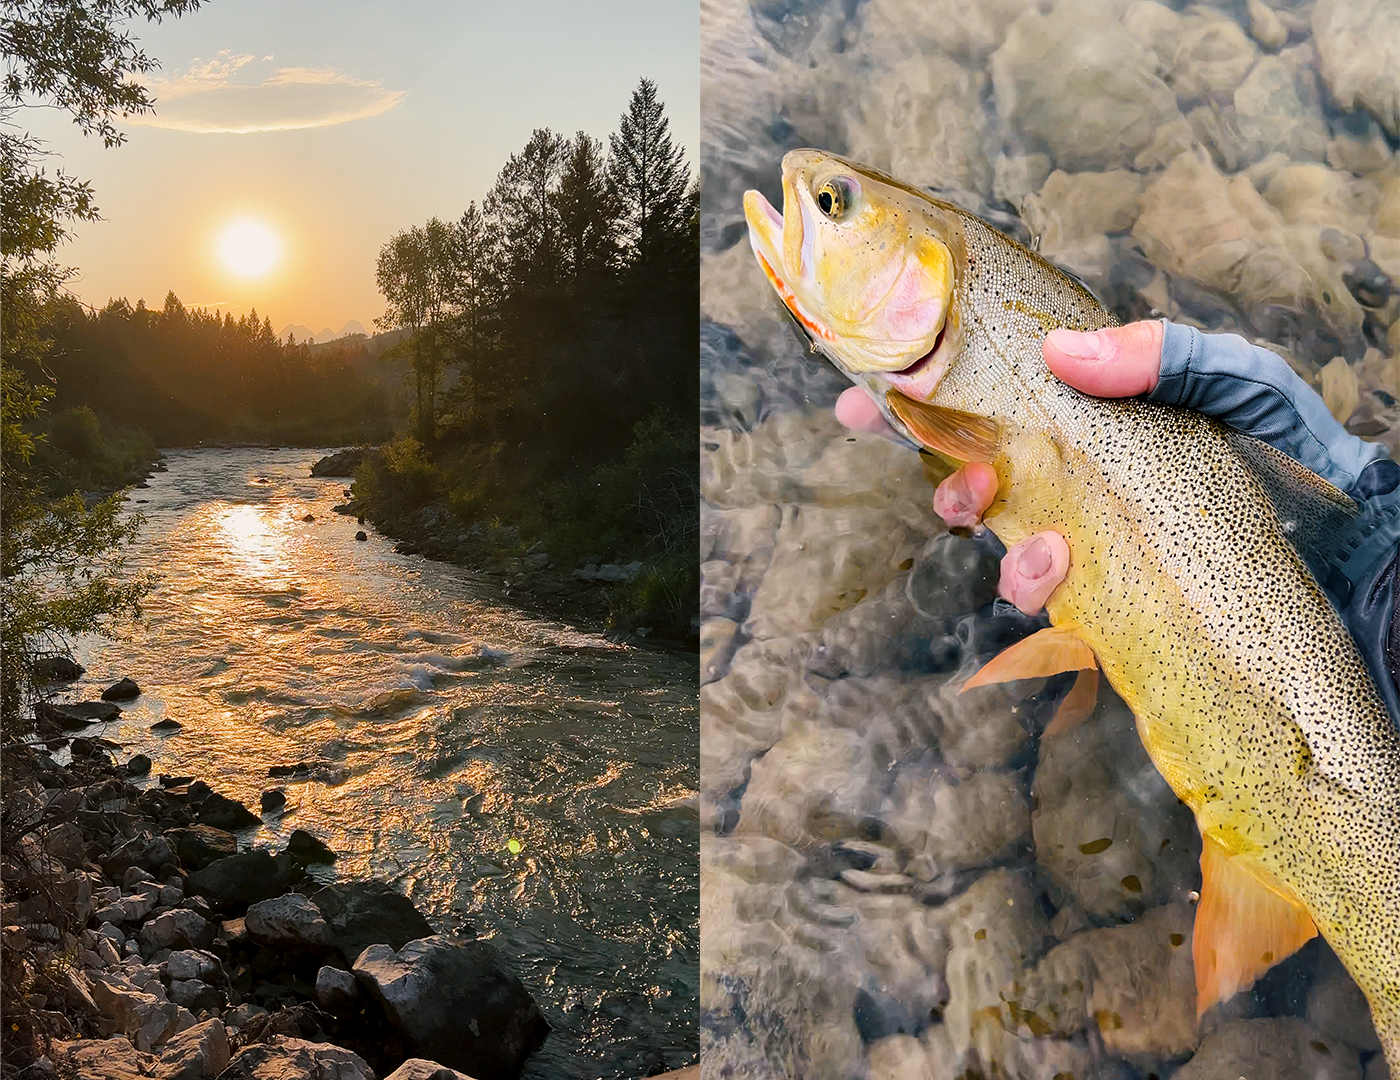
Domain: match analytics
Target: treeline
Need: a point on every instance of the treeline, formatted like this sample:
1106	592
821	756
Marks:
562	309
552	337
186	377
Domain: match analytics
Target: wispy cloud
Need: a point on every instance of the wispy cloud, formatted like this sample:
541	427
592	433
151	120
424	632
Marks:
230	94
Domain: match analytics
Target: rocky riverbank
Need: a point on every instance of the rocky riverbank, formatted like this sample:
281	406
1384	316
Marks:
529	576
140	941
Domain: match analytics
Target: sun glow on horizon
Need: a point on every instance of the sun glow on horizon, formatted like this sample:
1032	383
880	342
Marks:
248	248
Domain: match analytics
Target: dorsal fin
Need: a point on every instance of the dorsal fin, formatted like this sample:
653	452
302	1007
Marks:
1312	511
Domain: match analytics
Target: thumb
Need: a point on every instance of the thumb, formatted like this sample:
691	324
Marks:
1119	361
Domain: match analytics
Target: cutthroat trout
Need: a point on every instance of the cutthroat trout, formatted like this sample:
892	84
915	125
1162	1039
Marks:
1187	582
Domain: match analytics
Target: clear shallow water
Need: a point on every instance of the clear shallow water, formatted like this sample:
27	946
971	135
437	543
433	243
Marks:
440	724
898	881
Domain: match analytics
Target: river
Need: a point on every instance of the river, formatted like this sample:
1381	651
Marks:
444	728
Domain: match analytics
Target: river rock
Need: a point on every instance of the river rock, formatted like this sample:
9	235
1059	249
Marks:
1050	64
336	989
224	813
145	850
167	727
1338	1008
422	1069
305	848
197	1053
129	1011
244	878
1283	1048
1212	55
1358	45
287	922
123	690
178	929
1107	827
922	120
78	714
196	995
52	669
272	800
364	913
948	825
199	845
192	964
283	1058
341	463
454	1001
102	1059
1271	114
138	765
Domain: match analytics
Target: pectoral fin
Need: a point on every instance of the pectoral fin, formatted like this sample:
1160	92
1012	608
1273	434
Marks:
1078	704
1244	926
1046	652
960	435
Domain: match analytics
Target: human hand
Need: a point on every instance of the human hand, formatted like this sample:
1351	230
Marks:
1120	361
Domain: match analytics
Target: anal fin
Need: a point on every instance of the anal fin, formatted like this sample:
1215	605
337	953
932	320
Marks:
1244	925
961	435
1046	652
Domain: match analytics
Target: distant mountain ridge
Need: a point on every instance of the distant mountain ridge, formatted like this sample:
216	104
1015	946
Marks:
303	333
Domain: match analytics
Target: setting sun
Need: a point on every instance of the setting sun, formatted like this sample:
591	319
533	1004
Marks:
249	248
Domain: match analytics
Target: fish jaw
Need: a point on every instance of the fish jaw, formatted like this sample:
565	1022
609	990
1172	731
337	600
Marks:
874	293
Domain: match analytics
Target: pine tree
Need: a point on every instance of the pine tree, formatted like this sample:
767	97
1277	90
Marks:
587	208
521	210
651	178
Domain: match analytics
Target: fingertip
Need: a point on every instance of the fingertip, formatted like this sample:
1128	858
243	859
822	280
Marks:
1117	361
856	410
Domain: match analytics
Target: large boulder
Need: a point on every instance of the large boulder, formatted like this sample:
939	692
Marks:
197	1053
288	922
364	913
199	845
454	1002
281	1058
422	1069
244	878
178	929
343	463
102	1059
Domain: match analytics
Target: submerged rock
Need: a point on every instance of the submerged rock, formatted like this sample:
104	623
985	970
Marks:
1284	1048
1358	44
1050	64
455	1002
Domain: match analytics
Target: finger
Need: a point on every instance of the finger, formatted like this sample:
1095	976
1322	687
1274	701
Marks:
1032	569
963	498
857	410
1119	361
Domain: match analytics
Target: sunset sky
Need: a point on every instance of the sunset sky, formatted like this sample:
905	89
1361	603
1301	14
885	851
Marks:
301	136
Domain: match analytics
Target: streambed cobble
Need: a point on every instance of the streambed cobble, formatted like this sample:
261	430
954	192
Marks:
120	961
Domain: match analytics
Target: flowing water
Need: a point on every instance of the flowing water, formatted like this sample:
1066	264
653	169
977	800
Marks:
898	881
443	729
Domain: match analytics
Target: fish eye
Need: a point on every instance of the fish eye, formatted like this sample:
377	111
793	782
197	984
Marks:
836	197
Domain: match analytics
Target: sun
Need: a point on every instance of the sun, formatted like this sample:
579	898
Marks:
249	248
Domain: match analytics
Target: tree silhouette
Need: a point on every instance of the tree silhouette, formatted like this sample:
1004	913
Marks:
588	210
650	177
418	274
